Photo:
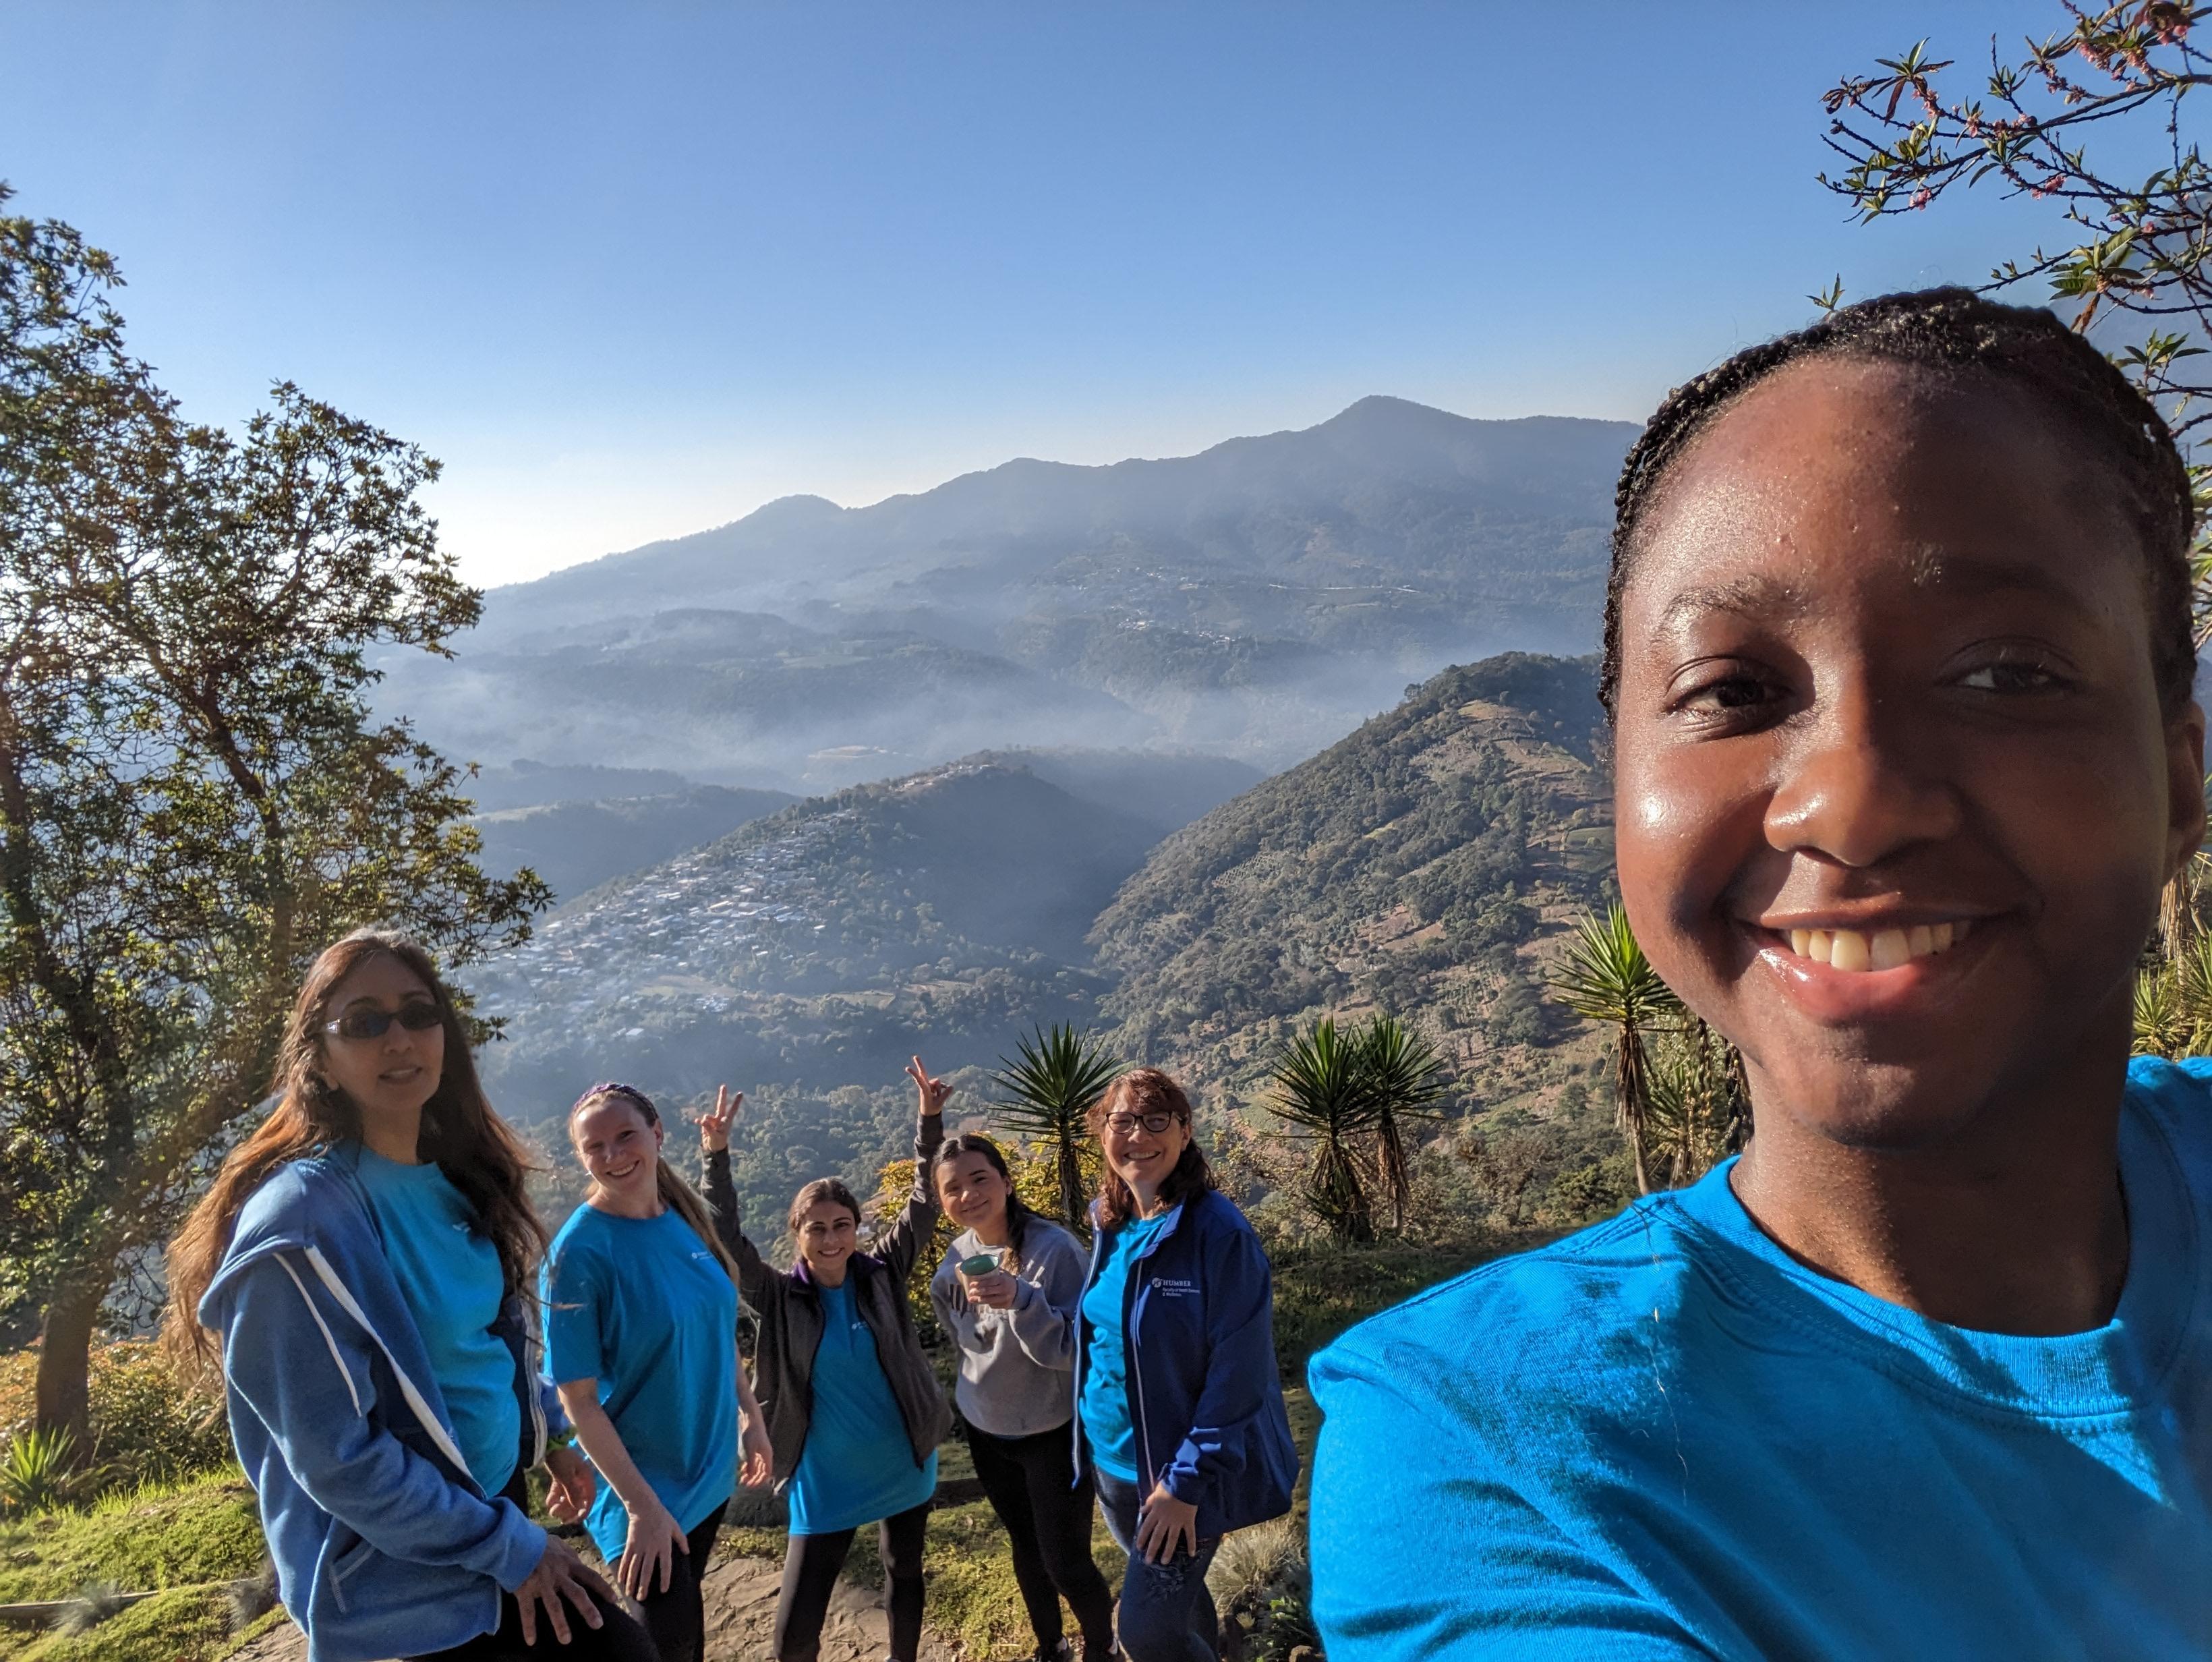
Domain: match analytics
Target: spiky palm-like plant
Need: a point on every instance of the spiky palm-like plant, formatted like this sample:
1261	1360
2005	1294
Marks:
1048	1087
1607	978
2160	1029
1404	1078
1320	1088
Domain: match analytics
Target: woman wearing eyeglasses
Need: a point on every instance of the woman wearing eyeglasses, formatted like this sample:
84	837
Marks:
1182	1410
364	1258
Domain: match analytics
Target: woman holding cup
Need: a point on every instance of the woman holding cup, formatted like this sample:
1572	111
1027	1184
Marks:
1006	1294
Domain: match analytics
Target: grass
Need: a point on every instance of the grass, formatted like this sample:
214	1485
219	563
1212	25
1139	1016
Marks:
193	1538
1321	1289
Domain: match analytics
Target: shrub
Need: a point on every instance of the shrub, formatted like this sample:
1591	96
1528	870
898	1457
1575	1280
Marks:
148	1426
39	1472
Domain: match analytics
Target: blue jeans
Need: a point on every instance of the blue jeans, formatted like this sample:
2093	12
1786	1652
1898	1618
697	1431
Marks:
1166	1614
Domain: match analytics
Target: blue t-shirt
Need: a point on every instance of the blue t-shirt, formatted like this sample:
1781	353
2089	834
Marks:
1106	1422
858	1465
449	1274
643	1306
1665	1438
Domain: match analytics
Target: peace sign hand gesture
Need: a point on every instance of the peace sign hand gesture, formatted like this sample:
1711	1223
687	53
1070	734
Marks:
934	1093
714	1124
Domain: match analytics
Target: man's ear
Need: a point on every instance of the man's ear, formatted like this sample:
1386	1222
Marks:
2184	765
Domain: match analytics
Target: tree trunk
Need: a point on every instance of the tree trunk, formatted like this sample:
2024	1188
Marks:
64	1389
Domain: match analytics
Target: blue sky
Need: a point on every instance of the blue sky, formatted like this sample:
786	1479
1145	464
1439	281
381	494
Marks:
631	271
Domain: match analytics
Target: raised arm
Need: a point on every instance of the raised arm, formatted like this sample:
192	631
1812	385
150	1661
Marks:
754	1272
902	1242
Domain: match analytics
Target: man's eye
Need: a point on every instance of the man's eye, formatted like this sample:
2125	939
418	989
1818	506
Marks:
2010	675
1727	692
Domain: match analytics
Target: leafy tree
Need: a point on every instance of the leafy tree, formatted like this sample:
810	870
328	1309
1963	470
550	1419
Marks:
193	794
1049	1086
1606	978
1403	1078
1320	1089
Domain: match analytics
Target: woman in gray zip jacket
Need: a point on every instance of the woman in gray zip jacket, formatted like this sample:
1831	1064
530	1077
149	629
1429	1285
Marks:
853	1412
1006	1293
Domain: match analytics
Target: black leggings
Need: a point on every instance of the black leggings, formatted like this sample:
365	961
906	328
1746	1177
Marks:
618	1639
1030	1482
810	1563
676	1619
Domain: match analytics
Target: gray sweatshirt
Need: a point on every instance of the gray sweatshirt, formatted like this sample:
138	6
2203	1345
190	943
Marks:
1018	1365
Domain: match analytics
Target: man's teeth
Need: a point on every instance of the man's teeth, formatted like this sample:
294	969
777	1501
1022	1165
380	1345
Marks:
1882	949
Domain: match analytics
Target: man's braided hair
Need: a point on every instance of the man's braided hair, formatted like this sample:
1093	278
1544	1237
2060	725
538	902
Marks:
1951	331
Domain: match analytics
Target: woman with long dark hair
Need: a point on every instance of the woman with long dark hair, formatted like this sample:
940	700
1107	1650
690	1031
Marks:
854	1414
640	1333
1180	1405
1006	1293
364	1258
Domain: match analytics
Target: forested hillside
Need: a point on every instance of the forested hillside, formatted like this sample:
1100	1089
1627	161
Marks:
1417	865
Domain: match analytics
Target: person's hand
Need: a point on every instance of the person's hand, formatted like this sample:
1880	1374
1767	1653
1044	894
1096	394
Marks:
994	1289
756	1458
568	1494
561	1574
1164	1525
714	1124
933	1093
655	1538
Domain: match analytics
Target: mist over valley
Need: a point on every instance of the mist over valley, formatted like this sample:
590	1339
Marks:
827	787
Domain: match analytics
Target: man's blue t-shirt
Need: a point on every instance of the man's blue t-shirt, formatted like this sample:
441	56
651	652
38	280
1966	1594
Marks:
643	1306
449	1275
1106	1424
1665	1438
858	1465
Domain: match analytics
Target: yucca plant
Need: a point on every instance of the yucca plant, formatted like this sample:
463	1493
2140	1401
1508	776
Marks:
1320	1088
1693	1112
1607	978
2159	1028
39	1471
1404	1078
1048	1087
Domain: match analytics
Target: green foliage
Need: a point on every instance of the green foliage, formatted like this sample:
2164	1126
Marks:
2173	1002
1047	1091
146	1425
39	1471
1319	1089
2135	233
1404	1080
194	792
1605	980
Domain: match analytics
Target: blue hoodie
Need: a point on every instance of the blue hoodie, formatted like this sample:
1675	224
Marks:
1198	1332
383	1543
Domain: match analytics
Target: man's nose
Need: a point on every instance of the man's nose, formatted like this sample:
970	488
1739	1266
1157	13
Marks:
1859	789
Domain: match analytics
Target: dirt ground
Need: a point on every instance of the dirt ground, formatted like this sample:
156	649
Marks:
740	1612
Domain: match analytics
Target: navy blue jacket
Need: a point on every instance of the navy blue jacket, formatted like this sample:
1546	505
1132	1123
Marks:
383	1543
1205	1397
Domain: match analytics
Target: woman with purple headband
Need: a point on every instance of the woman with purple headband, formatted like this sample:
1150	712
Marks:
641	1335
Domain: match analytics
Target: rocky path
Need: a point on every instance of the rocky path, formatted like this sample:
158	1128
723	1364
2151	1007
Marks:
740	1613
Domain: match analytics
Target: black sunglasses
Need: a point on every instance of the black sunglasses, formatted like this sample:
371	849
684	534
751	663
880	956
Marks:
417	1016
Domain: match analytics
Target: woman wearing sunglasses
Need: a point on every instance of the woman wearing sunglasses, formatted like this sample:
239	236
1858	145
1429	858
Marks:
1181	1406
364	1258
